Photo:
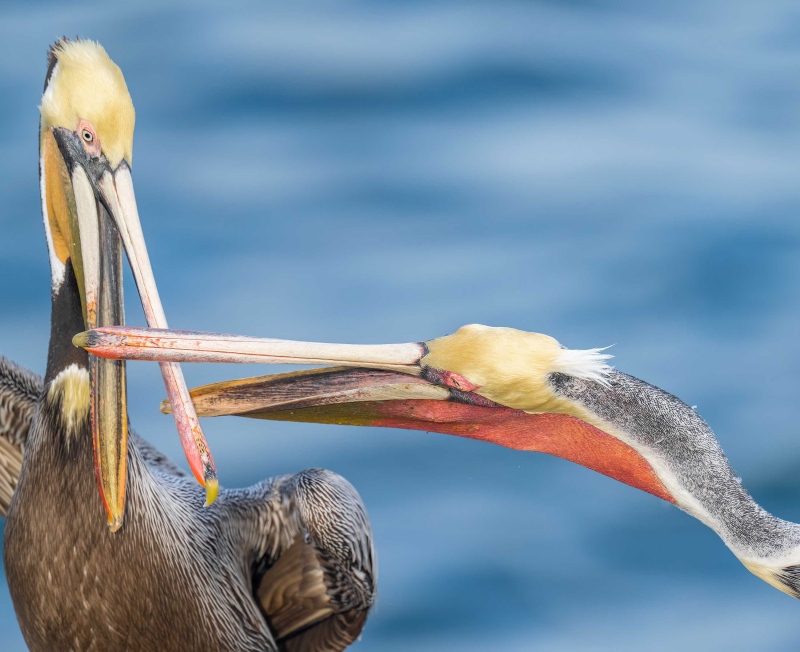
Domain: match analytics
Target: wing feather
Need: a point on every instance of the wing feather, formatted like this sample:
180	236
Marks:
20	390
294	591
320	584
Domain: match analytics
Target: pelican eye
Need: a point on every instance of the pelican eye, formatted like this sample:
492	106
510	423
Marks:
88	136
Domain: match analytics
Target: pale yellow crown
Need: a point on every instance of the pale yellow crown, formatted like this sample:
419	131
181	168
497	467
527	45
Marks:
511	367
87	85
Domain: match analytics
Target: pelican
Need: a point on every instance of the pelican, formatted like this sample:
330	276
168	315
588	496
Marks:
517	389
152	561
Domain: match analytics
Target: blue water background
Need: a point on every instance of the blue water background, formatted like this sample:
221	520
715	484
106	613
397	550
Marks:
605	172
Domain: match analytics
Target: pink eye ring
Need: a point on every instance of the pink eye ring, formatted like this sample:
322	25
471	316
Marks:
89	137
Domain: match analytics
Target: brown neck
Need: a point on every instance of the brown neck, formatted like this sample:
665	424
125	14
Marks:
66	321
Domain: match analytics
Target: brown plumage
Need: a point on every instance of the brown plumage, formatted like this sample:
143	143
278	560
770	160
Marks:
312	577
285	564
20	390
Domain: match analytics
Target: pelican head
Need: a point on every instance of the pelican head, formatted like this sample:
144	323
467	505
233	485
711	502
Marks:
89	208
86	89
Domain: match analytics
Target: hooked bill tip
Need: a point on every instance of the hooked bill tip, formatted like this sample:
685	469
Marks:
212	491
81	340
114	524
165	407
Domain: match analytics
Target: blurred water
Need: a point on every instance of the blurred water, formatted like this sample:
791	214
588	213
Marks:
615	172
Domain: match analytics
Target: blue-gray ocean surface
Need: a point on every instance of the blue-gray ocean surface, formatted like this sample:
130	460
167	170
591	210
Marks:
613	172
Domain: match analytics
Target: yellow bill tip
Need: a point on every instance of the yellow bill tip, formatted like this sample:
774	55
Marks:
165	407
81	340
114	524
212	491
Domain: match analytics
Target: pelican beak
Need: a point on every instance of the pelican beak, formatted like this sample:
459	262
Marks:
97	258
396	386
403	360
107	219
132	343
116	192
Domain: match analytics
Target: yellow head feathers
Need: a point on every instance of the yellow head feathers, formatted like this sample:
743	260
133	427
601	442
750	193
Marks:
86	84
511	367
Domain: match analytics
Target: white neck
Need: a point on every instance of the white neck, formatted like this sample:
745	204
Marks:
57	268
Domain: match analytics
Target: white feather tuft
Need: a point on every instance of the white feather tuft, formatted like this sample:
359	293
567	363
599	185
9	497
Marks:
72	386
587	364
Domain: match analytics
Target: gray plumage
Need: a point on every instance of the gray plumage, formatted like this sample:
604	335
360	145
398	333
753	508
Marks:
286	564
676	437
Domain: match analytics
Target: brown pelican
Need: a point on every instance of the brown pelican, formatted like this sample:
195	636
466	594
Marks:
521	390
287	564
